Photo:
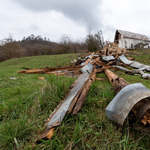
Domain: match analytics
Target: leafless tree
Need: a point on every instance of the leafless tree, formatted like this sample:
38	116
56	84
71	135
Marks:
8	47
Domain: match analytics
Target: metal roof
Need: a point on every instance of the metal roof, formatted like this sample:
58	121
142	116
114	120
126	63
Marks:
132	35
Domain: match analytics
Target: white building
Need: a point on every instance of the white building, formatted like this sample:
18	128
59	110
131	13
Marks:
130	40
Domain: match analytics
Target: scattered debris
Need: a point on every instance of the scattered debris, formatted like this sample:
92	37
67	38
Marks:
111	49
124	69
50	70
42	78
129	97
146	76
84	93
59	113
13	78
100	79
74	73
117	82
134	64
108	58
130	58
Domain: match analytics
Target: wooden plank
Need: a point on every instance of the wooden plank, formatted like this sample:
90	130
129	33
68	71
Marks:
44	70
84	93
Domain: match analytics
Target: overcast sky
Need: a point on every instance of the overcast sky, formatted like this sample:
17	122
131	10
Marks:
54	18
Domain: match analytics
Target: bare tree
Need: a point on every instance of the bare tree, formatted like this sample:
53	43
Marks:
8	47
65	43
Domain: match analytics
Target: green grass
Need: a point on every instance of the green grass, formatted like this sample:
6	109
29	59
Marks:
26	103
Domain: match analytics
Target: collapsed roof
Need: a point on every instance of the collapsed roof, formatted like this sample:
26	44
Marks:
131	35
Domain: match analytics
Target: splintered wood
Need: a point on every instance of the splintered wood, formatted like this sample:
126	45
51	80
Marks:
84	93
50	133
146	118
112	49
89	59
117	82
142	111
49	70
99	65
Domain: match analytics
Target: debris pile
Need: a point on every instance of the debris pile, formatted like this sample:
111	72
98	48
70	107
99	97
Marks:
111	49
129	97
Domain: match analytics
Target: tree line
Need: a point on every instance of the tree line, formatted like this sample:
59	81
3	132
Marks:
36	45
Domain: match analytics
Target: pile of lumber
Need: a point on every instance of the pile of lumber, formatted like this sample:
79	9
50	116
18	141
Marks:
112	49
86	70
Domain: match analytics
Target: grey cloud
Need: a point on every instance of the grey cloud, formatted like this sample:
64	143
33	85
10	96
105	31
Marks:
84	12
109	30
34	27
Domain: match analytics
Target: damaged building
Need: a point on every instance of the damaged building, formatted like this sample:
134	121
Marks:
130	40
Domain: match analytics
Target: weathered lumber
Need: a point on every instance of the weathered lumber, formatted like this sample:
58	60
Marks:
117	82
124	69
89	59
142	108
95	60
45	70
100	79
84	93
59	113
73	73
111	49
71	107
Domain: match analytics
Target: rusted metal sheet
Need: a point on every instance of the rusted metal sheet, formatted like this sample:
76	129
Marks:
132	35
123	102
59	113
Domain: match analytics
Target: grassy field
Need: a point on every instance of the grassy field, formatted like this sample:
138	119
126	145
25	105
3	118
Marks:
26	103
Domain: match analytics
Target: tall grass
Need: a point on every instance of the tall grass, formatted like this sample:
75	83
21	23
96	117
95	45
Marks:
27	102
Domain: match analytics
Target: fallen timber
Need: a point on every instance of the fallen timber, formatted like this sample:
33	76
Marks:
135	97
84	93
59	113
129	97
49	70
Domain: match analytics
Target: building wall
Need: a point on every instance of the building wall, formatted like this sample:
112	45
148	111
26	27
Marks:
129	43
